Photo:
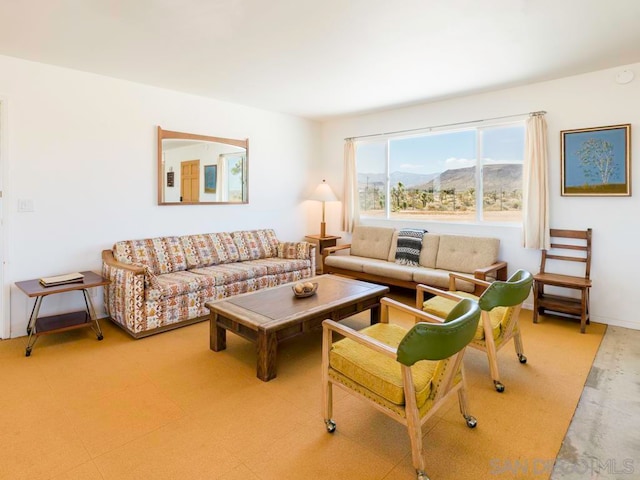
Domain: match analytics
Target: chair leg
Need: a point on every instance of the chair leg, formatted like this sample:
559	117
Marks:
537	291
462	401
327	386
413	424
327	407
492	356
492	353
517	342
585	308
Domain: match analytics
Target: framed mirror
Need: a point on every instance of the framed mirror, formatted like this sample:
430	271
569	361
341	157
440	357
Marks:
201	170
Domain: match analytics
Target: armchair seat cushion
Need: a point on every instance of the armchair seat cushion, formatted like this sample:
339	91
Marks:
388	269
440	307
378	373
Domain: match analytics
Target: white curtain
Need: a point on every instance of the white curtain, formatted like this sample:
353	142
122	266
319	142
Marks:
350	203
536	185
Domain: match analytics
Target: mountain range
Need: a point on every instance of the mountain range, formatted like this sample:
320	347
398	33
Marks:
507	176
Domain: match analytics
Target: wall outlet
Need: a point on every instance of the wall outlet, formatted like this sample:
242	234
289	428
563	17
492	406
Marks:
25	205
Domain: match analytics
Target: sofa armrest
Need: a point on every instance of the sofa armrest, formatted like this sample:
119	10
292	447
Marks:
330	250
479	284
299	251
500	269
296	250
109	259
124	297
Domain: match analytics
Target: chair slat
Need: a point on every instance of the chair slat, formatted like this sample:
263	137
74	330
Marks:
568	233
569	259
569	247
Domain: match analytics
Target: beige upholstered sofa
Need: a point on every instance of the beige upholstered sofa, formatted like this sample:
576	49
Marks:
372	257
158	284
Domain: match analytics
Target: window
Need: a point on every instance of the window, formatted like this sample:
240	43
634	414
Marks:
437	176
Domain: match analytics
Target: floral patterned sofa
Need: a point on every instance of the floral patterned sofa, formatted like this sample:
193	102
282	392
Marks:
158	284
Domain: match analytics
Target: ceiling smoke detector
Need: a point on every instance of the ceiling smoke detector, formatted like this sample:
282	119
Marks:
624	76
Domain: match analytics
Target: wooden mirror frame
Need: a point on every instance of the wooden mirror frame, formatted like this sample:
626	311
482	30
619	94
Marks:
167	134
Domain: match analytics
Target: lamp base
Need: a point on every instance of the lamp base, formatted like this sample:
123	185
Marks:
323	229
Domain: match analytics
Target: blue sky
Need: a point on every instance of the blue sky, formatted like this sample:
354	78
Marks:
436	153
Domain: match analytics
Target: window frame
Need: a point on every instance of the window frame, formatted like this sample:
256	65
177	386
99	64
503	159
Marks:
479	169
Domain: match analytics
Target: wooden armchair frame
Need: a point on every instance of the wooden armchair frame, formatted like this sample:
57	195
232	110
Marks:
412	418
489	345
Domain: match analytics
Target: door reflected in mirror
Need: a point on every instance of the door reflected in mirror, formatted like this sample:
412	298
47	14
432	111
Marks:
200	170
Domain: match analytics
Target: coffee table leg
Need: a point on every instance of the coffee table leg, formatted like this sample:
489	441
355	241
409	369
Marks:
267	347
375	314
217	334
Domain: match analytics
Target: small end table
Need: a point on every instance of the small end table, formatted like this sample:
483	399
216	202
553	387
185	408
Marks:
67	321
323	242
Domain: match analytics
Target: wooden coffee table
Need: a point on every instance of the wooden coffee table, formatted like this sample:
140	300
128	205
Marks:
267	317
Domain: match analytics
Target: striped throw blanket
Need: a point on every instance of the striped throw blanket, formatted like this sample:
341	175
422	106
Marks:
409	246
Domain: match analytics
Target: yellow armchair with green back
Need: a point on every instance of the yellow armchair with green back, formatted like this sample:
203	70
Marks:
407	375
500	304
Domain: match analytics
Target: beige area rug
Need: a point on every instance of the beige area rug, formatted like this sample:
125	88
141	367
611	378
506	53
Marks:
167	407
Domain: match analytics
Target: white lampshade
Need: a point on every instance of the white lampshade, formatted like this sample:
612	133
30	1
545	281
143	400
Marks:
323	193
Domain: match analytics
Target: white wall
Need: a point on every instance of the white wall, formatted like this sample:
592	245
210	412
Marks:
589	100
83	148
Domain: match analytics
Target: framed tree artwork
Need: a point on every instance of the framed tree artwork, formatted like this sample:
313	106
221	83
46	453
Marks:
596	161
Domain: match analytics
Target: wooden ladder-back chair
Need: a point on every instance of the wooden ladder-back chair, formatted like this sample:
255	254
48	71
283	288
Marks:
566	246
500	305
405	374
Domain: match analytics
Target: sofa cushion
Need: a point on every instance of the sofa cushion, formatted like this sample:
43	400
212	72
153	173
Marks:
459	253
348	262
440	279
389	270
428	253
161	255
280	265
440	307
378	373
232	272
255	244
178	283
208	249
372	242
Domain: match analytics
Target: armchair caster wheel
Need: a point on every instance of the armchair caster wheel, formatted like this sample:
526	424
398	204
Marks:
471	421
499	386
331	425
522	358
100	337
422	475
27	352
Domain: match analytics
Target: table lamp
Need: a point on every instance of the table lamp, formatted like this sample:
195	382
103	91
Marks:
323	193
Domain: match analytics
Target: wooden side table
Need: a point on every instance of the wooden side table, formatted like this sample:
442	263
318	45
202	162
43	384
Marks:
67	321
323	242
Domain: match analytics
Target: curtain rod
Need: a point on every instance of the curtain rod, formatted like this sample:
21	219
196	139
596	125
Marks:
540	112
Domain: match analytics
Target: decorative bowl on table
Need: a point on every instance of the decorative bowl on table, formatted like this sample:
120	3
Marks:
304	289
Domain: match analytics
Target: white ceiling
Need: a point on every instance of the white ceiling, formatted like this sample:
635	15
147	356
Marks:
325	58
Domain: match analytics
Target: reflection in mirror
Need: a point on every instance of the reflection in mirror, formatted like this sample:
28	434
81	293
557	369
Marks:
198	169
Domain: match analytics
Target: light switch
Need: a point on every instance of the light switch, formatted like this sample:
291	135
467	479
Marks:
25	205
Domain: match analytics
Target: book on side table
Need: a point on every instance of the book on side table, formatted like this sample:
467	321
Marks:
74	277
